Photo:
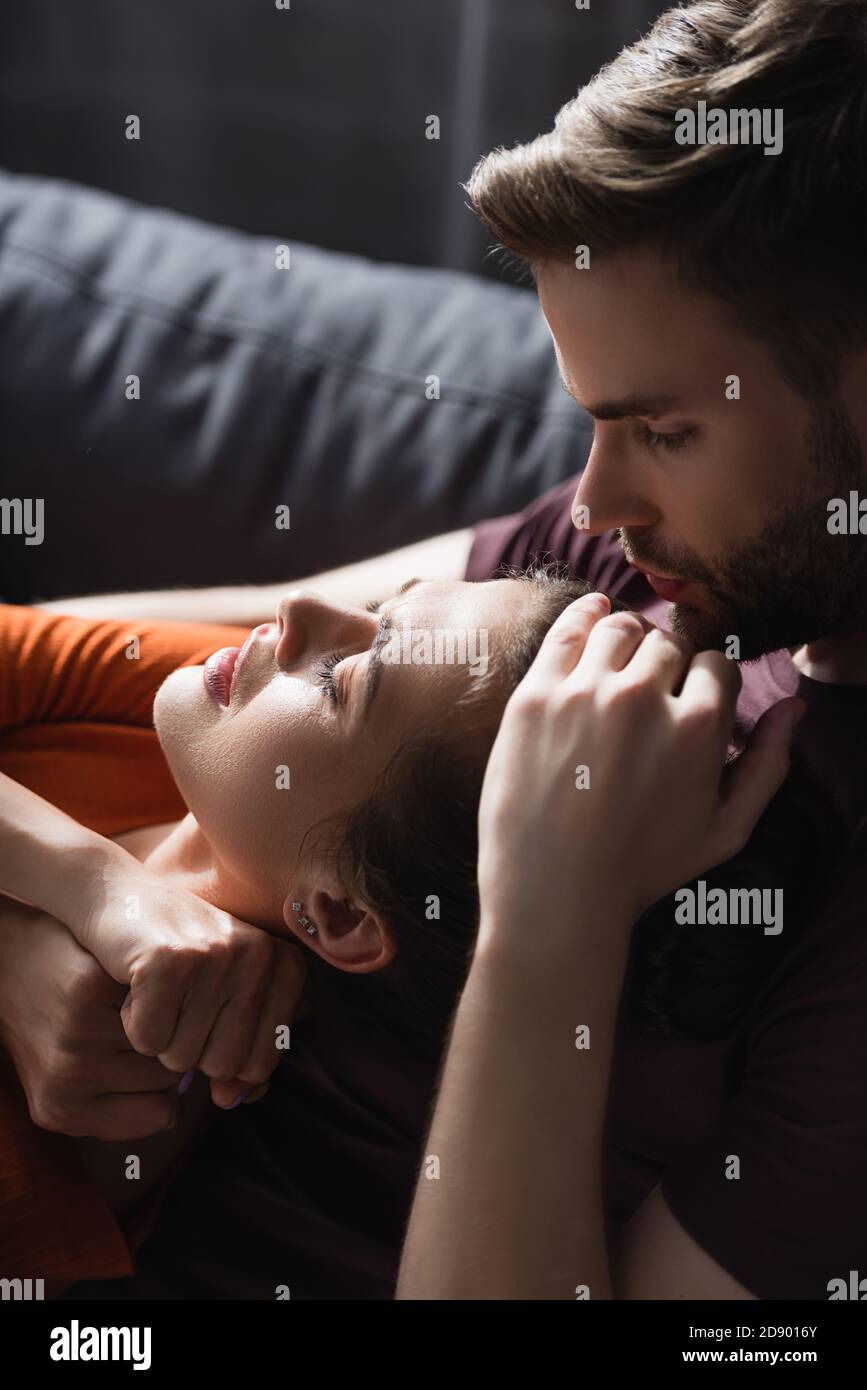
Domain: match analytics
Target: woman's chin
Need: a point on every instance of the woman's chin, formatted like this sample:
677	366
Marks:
180	705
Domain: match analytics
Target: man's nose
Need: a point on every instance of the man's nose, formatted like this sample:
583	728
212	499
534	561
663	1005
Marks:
611	492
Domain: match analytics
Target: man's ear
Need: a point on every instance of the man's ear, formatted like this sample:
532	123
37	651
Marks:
347	936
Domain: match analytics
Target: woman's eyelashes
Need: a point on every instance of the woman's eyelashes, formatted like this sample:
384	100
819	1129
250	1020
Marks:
654	440
323	671
323	674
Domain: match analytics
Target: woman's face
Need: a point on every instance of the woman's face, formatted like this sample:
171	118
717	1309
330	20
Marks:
265	743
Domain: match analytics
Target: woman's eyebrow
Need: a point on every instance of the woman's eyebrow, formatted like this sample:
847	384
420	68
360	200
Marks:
374	665
407	585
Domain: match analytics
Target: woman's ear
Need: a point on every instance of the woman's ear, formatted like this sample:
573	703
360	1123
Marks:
347	936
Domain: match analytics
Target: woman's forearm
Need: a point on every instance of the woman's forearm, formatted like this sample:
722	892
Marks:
509	1199
46	858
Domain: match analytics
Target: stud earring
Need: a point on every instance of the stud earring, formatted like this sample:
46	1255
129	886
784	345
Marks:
309	927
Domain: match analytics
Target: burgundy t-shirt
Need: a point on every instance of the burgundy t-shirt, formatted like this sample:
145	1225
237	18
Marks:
310	1189
787	1092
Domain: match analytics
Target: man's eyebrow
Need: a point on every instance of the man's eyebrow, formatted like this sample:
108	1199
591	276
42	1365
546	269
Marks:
628	406
374	665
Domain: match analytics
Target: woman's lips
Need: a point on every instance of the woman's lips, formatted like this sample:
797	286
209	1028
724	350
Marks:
217	674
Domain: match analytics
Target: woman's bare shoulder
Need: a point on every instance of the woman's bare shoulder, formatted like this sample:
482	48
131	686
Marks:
142	842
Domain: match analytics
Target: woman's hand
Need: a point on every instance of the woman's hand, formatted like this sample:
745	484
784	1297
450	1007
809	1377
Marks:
607	786
206	990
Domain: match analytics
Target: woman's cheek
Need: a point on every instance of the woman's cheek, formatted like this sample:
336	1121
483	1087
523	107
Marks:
255	785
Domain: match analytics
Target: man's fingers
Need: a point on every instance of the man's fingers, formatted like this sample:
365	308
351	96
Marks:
664	656
564	641
751	782
130	1071
610	646
120	1116
710	675
709	695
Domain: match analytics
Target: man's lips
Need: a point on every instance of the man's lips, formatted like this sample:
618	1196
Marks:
669	589
218	673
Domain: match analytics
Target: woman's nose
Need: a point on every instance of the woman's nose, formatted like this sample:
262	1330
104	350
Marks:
306	619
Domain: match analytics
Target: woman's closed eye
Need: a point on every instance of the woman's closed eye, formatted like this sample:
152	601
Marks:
323	671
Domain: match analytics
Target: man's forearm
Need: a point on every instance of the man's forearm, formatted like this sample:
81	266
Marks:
46	858
439	557
508	1203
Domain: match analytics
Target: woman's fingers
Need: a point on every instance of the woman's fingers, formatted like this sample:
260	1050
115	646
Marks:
216	1010
149	1013
227	1095
257	1093
212	999
232	1035
277	1013
246	991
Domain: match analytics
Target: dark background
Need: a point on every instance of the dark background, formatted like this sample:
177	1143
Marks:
308	122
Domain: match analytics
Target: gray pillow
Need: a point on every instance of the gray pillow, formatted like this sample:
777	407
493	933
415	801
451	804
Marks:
260	388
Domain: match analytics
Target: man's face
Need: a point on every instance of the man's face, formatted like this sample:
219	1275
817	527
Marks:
727	495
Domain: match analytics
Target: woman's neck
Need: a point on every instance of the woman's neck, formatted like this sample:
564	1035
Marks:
180	851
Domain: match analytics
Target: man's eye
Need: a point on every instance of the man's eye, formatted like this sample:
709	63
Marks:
374	605
323	673
653	440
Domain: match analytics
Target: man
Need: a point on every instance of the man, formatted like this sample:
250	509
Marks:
708	307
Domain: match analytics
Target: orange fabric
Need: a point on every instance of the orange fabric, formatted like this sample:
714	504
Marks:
76	727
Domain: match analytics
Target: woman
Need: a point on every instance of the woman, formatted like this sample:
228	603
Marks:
268	749
317	723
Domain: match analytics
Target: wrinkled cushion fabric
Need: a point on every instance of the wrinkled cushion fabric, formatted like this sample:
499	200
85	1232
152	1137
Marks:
260	387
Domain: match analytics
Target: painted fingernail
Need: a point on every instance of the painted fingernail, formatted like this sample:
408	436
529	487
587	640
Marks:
186	1082
241	1097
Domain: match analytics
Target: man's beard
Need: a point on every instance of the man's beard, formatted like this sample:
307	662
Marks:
793	582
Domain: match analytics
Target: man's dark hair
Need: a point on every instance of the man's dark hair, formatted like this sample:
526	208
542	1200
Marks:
779	238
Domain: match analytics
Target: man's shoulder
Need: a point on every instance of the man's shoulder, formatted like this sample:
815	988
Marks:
822	981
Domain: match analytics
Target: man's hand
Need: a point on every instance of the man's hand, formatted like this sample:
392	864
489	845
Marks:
60	1024
650	721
